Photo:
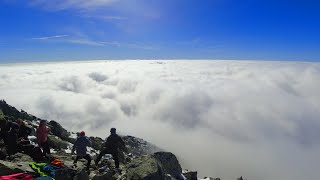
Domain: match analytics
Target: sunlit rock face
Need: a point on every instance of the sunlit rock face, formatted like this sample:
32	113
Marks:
259	119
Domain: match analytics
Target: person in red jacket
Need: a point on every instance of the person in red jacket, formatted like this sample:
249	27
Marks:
42	137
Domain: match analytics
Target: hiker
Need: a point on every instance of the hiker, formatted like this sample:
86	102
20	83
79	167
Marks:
42	137
3	129
12	139
81	149
24	130
113	142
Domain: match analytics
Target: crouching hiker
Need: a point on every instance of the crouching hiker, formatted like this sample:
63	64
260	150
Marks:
81	148
42	137
112	144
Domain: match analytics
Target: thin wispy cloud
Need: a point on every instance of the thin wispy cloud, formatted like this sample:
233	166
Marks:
50	37
107	17
72	4
131	45
84	40
69	39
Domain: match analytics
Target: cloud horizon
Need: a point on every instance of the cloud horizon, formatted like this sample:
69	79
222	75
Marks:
222	118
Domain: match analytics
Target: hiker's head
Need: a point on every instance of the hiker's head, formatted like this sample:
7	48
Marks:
20	121
82	133
43	123
15	127
113	130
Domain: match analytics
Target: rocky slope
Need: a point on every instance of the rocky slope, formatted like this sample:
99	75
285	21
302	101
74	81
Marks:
143	160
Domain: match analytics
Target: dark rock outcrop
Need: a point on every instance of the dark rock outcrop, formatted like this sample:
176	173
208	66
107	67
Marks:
19	163
145	168
169	162
57	143
58	130
191	175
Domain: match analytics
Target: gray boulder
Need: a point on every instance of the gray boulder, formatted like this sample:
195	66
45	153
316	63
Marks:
145	168
59	131
170	163
82	175
7	168
65	174
105	175
57	143
96	143
190	175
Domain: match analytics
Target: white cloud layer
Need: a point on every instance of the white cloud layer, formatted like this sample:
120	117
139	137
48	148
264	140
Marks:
260	120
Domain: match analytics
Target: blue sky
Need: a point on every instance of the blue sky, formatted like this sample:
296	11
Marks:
57	30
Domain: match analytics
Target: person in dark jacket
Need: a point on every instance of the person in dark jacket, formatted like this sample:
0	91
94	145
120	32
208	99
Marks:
24	130
112	144
81	148
3	129
12	139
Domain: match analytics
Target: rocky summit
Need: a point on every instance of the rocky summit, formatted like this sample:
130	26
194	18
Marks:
141	160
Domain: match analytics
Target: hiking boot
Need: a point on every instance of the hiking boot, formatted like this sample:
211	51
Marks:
75	165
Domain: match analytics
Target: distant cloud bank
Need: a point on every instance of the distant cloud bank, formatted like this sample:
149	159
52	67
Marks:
222	118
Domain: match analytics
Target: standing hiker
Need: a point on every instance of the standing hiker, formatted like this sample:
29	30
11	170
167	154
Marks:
81	148
113	142
42	137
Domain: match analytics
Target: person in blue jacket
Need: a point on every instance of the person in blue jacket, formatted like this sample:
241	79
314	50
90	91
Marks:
81	149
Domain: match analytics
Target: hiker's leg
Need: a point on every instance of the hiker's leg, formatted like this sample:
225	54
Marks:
103	152
76	159
115	157
45	148
88	158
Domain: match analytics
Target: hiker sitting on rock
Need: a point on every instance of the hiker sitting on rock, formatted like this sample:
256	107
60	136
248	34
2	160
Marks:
81	148
42	137
113	142
24	130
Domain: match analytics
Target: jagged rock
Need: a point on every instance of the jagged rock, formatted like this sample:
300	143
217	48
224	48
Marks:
65	174
145	168
105	175
211	178
139	147
13	113
57	143
19	157
96	143
82	175
240	178
58	130
7	168
170	163
190	175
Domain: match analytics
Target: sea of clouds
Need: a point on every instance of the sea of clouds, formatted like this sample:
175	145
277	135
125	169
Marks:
225	119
